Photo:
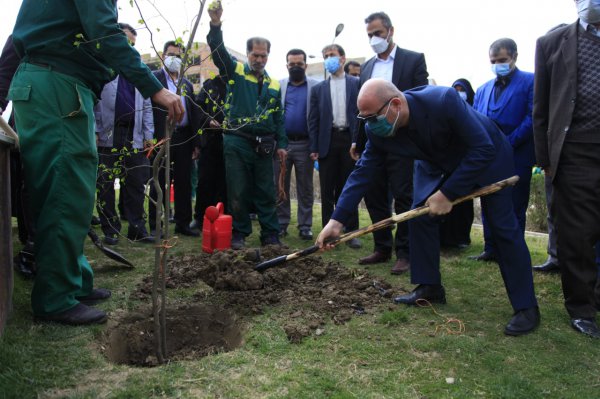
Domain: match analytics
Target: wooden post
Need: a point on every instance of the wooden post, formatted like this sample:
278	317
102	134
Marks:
6	254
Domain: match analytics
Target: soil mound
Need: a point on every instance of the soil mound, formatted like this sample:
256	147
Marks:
308	293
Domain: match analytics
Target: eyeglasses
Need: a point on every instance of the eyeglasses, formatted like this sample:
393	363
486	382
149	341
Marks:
373	117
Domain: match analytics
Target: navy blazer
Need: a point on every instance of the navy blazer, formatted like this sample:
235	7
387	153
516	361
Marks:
513	113
456	149
160	114
320	116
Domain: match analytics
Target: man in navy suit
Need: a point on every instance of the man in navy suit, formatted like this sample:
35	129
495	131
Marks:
456	151
508	101
182	141
331	124
405	69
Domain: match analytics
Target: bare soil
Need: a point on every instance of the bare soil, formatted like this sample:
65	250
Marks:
308	293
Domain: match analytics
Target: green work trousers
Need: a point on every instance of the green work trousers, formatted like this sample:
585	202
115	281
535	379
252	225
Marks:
55	121
250	187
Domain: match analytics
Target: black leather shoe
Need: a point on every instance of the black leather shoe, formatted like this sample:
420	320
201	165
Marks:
586	326
375	257
306	234
24	264
523	322
196	224
484	257
238	241
78	316
186	231
354	243
547	267
97	295
140	236
432	293
111	239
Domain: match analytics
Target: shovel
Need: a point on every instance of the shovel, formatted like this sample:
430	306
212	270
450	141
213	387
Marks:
402	217
107	251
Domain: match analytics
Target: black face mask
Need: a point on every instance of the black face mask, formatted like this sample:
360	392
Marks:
297	74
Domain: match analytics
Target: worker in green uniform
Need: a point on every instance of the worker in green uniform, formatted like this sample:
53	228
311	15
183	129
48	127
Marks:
69	50
253	127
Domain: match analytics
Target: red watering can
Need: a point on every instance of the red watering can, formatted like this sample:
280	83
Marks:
216	229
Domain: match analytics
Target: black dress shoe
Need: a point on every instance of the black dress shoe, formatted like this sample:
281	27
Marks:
354	243
586	326
111	239
306	234
484	257
24	264
140	236
77	316
432	293
547	267
97	295
375	257
186	231
523	322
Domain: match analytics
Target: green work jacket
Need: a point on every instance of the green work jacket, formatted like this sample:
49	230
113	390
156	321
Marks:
246	109
82	39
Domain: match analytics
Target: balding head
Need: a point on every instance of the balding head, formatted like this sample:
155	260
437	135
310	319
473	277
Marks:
381	97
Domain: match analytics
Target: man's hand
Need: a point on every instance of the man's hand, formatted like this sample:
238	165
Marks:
438	204
353	153
214	124
314	156
215	11
171	102
282	154
333	229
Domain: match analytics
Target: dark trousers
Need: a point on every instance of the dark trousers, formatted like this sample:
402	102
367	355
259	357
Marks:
576	213
513	254
181	164
212	187
20	200
334	170
397	182
132	169
455	228
520	199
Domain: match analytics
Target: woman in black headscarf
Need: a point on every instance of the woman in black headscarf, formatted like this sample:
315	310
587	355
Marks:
455	229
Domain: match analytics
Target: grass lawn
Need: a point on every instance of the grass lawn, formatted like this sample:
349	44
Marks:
393	353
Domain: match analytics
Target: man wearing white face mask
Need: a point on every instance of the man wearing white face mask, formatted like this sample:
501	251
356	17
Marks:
508	101
566	128
182	141
405	69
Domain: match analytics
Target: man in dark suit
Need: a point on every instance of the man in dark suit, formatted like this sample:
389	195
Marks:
405	69
456	151
182	141
566	128
331	124
508	101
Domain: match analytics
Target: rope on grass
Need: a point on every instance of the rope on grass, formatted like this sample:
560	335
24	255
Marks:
451	326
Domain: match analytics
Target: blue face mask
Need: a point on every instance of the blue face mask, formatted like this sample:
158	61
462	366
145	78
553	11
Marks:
589	11
380	126
501	69
332	64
